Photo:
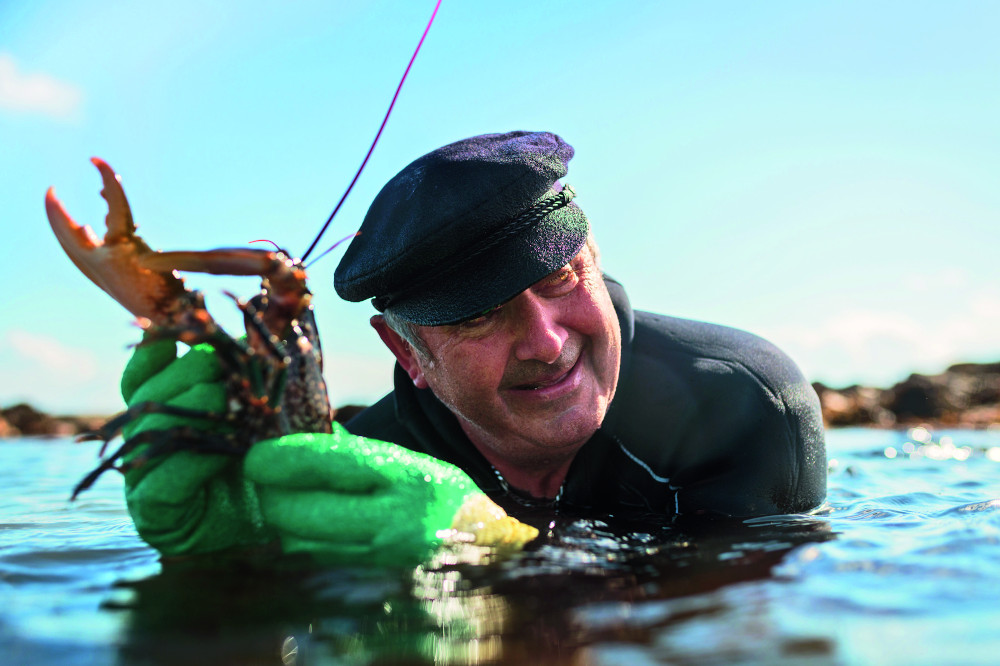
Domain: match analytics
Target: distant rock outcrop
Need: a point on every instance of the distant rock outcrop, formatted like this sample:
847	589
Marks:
23	420
966	395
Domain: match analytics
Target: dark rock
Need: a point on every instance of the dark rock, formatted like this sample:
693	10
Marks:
29	421
23	420
965	395
919	397
853	406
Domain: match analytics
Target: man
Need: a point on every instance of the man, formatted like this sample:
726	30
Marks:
523	365
522	373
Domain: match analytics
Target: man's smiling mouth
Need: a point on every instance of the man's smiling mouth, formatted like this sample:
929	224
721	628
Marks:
534	386
552	380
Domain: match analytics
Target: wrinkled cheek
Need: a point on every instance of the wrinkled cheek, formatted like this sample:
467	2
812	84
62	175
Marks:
472	391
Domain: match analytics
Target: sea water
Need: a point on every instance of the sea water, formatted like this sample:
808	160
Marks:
901	566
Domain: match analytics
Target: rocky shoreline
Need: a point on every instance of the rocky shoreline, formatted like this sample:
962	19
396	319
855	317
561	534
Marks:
23	420
966	395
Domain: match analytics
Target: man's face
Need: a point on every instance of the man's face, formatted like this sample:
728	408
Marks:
531	380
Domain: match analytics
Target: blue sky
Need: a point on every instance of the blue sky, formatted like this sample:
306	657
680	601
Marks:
822	174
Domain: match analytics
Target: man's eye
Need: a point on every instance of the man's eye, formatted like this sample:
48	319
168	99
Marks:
561	282
481	320
474	322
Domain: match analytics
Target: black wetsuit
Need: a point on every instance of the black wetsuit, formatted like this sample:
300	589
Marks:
706	420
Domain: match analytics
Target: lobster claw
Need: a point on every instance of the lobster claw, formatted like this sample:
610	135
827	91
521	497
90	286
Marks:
118	263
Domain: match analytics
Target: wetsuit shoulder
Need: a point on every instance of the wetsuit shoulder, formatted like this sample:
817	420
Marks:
726	416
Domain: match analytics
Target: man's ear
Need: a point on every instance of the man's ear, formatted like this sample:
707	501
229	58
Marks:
401	349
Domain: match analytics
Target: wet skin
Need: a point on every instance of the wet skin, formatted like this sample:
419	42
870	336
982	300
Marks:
530	381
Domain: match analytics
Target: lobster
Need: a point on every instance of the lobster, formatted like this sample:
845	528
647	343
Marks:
275	382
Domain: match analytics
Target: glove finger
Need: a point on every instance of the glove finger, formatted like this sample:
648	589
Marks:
328	552
198	366
405	554
333	462
342	518
343	462
174	479
207	397
148	359
183	470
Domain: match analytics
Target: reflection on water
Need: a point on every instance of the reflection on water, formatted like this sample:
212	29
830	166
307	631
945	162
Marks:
903	555
575	588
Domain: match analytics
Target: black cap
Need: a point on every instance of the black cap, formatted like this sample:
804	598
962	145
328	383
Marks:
465	228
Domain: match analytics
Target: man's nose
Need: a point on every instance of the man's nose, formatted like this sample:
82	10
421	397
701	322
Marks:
539	336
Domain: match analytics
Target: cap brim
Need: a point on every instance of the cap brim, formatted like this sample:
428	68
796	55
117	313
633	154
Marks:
473	285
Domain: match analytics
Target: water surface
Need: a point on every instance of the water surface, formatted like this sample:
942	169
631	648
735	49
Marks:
899	567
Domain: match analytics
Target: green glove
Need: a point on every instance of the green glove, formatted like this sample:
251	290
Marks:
347	499
339	498
187	502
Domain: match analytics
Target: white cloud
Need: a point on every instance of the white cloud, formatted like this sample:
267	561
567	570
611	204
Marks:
35	92
73	364
882	347
55	376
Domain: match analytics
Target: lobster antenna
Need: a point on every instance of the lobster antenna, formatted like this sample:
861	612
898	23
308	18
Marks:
267	240
379	134
331	248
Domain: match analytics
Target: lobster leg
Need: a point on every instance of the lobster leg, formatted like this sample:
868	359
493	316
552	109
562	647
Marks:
112	428
161	443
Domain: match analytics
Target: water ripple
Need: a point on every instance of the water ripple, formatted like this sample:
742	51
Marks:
905	551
